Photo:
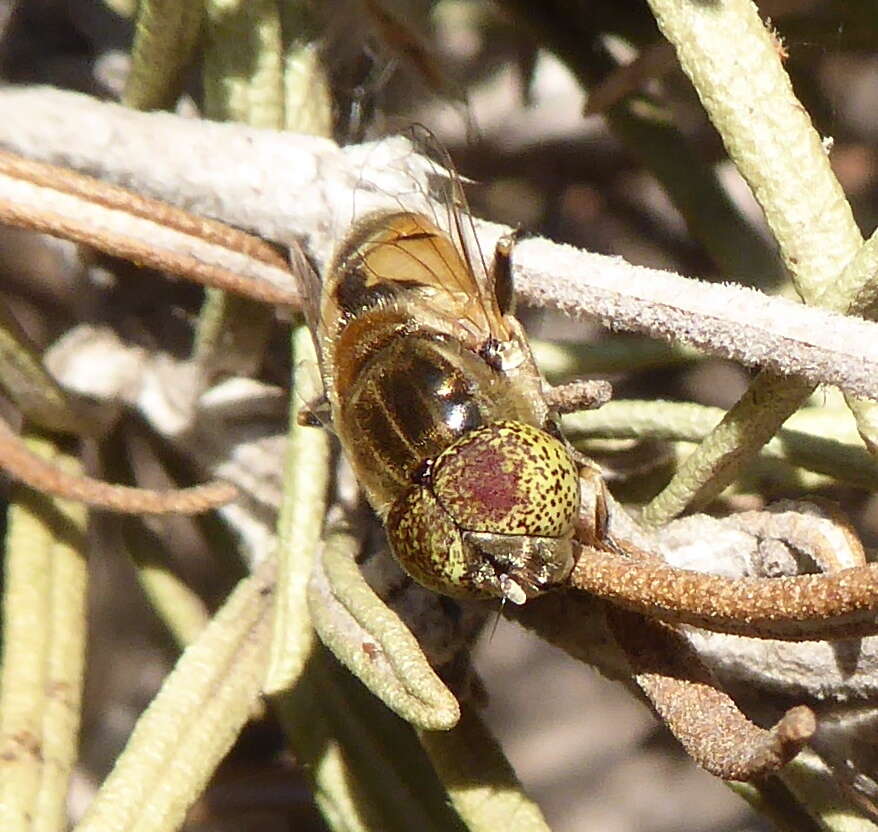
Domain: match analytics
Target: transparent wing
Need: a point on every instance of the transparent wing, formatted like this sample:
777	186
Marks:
309	281
425	244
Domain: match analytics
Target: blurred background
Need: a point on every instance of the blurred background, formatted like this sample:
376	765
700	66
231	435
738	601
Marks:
573	121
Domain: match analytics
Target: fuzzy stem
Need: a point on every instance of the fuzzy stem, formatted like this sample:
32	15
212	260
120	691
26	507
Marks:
44	633
811	439
733	63
166	35
193	720
482	785
300	525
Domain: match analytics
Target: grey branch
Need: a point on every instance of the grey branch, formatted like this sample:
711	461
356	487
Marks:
290	188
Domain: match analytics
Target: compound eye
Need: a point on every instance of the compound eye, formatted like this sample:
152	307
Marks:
508	478
427	543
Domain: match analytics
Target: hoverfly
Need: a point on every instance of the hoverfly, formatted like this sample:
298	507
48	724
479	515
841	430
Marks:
436	399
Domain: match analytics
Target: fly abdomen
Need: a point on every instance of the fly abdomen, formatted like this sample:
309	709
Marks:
409	402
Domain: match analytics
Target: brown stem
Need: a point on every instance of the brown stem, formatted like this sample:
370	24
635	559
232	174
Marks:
795	608
17	461
583	394
142	253
652	62
702	717
110	196
42	197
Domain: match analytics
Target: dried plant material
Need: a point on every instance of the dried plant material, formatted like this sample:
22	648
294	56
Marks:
55	201
579	395
705	719
841	603
819	530
799	608
731	322
95	191
44	627
725	320
816	672
187	729
17	461
653	62
235	429
820	673
836	605
400	37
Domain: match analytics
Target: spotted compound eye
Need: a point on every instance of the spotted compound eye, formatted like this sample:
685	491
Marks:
508	478
493	518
